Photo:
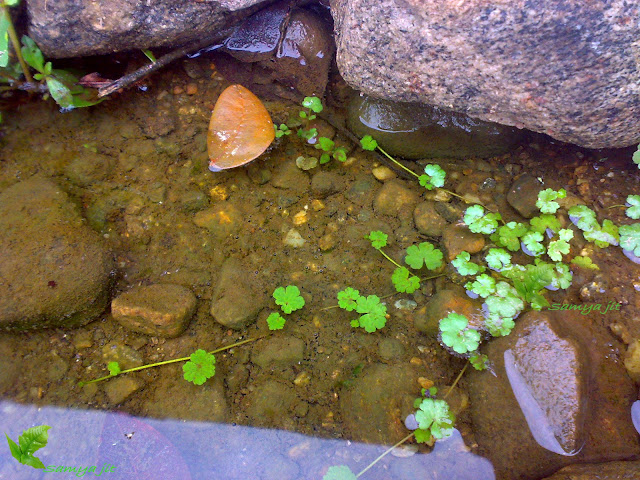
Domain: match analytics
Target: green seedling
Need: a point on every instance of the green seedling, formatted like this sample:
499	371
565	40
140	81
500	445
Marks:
633	202
583	217
31	440
635	158
424	254
630	238
281	130
402	279
508	235
479	361
347	299
275	321
456	335
114	367
498	259
435	420
561	246
288	298
200	367
483	286
149	54
532	241
339	472
480	222
603	236
374	317
585	262
546	198
464	266
544	221
433	177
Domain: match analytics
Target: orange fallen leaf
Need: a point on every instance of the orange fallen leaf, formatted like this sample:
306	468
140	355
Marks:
240	129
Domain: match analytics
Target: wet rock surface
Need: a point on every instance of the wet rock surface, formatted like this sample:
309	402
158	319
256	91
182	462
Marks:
78	27
375	406
427	220
280	352
414	130
236	302
428	318
510	64
456	239
557	365
157	310
600	471
54	270
523	195
207	403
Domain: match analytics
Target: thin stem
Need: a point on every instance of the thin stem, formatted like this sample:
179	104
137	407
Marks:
389	258
16	44
455	382
398	163
387	451
166	362
616	206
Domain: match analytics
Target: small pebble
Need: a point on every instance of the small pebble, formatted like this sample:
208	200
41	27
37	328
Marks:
177	90
301	218
192	89
293	239
383	173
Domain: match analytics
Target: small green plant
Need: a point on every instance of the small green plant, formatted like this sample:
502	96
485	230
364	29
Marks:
61	85
633	202
636	157
456	334
31	440
288	298
114	368
480	222
546	198
585	262
374	313
281	130
435	420
202	364
200	367
508	235
275	321
465	266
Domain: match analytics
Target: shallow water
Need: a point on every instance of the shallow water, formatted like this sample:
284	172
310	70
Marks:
137	167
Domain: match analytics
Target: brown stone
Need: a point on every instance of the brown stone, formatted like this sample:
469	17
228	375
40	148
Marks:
457	238
162	310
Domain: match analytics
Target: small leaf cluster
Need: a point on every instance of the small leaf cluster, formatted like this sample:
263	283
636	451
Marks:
200	367
374	313
456	334
281	130
479	221
417	257
290	300
31	440
435	420
433	177
339	472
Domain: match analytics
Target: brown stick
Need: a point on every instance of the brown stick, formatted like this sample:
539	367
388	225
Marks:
161	62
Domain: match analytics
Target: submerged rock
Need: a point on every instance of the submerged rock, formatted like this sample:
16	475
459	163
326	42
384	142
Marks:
413	130
161	310
54	270
378	401
558	397
599	471
236	301
514	63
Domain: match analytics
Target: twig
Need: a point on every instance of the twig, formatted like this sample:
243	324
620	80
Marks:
16	44
161	62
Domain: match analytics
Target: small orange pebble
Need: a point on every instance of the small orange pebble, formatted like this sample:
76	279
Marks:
425	382
467	171
415	361
177	90
192	89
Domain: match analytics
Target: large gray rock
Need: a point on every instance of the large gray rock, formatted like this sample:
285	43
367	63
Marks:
567	69
550	389
54	270
67	28
600	471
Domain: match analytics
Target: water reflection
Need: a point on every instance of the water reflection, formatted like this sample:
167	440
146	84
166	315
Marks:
177	450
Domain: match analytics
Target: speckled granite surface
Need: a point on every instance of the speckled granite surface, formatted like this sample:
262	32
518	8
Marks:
569	69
